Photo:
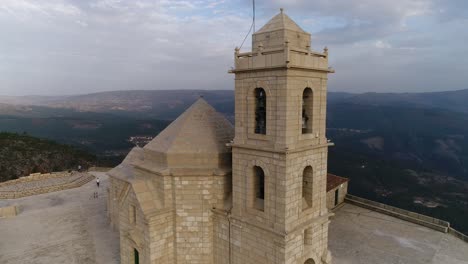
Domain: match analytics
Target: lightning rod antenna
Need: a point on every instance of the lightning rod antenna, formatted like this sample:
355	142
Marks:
253	7
252	26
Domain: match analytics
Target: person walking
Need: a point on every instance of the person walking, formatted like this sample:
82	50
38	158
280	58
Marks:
97	182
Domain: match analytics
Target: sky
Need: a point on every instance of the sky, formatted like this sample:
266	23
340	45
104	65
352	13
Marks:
62	47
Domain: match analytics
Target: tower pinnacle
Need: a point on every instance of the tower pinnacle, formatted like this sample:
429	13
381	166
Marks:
276	31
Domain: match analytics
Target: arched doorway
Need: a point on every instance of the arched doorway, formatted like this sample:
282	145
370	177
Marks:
309	261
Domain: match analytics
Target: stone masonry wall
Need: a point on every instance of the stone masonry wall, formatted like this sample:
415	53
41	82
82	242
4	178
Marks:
221	237
116	190
261	235
35	177
161	232
281	208
133	234
285	231
195	197
182	231
242	243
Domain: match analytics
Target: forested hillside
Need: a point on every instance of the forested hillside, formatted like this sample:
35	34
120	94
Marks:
21	155
413	158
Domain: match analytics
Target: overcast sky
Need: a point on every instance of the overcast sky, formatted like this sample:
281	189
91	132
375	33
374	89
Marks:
51	47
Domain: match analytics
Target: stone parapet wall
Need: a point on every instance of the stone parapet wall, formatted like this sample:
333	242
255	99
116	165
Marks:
100	169
416	218
35	177
42	183
458	234
424	220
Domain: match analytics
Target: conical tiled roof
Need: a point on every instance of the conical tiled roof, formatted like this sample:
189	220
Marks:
199	130
278	22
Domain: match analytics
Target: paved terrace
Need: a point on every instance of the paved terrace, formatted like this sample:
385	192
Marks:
359	235
67	226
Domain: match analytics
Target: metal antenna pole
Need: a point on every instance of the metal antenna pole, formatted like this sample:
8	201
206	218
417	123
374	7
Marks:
251	26
253	6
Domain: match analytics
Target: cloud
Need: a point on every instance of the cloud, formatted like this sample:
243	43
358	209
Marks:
382	44
378	45
80	46
112	44
24	8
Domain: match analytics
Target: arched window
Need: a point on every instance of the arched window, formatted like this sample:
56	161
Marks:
260	111
307	187
307	110
259	188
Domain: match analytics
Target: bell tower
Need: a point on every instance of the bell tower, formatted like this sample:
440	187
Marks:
279	212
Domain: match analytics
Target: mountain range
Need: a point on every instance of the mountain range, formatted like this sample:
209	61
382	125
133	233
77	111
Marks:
160	104
451	100
168	104
409	150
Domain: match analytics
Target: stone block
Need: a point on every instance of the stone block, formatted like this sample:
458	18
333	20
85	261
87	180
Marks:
10	211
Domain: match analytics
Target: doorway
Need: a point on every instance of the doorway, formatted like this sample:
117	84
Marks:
336	196
136	255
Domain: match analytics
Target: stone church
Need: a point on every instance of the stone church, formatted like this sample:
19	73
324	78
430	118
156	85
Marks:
204	191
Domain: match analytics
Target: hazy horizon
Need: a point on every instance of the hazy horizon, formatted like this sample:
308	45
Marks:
72	47
143	90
